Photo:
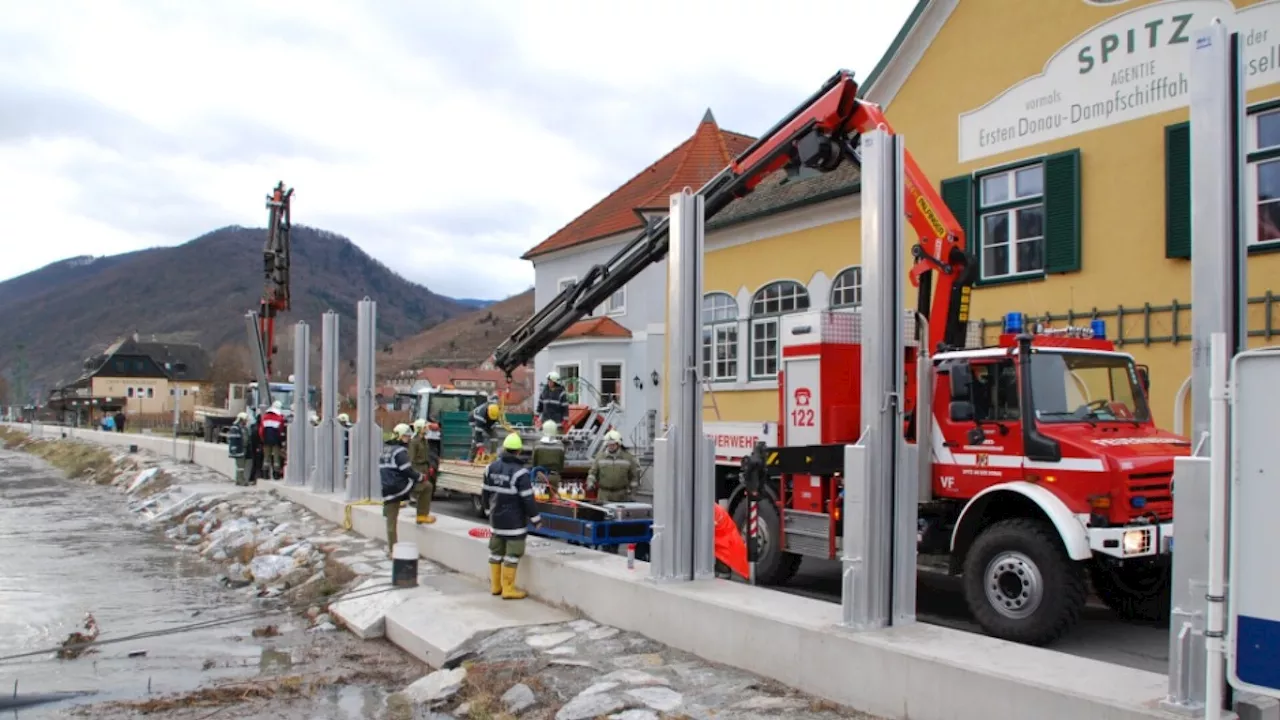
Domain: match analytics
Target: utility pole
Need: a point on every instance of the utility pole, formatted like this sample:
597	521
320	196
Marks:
20	377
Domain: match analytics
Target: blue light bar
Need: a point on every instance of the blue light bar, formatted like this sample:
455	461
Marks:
1099	328
1013	322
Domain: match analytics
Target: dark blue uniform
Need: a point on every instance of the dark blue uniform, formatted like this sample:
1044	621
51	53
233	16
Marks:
553	404
508	493
397	474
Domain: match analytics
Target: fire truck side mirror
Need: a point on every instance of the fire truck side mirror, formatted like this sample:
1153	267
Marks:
960	381
960	411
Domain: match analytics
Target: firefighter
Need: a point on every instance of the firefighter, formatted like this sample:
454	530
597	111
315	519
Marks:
483	419
553	401
614	470
238	448
508	493
420	457
271	432
345	421
400	481
548	453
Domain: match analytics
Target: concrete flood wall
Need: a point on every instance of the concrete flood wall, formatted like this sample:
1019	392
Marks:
921	672
210	455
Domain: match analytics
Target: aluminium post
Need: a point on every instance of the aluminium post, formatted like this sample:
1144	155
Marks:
327	447
299	434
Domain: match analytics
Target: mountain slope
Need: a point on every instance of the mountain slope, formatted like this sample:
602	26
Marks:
464	340
65	311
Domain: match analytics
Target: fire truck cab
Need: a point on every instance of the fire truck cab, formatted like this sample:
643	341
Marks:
1028	512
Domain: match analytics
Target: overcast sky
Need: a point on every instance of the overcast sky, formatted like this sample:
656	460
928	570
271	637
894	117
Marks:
444	138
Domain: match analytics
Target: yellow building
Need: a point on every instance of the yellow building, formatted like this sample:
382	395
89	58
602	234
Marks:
1056	131
139	378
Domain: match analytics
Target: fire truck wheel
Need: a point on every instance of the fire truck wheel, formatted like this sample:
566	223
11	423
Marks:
1020	585
1134	590
774	566
477	504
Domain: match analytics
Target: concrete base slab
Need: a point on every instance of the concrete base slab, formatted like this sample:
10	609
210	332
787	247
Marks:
365	615
433	627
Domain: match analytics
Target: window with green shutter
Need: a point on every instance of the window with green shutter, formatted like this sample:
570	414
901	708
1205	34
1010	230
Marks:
1177	190
1028	219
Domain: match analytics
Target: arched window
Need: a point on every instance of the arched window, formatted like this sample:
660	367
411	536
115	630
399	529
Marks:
770	302
846	290
719	337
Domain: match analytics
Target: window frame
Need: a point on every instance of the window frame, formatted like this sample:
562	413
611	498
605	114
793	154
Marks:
577	373
1009	207
711	341
622	379
771	319
851	271
621	307
1255	158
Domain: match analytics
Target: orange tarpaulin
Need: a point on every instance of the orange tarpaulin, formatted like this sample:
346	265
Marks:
731	549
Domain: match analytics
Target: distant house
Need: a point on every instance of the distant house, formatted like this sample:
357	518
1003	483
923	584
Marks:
619	350
138	377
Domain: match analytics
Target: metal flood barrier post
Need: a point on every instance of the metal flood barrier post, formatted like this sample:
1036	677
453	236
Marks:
366	436
298	458
684	480
328	450
878	586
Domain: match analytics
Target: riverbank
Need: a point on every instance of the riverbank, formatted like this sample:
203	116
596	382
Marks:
246	629
569	669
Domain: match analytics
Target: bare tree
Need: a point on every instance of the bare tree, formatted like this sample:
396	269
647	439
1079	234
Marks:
230	365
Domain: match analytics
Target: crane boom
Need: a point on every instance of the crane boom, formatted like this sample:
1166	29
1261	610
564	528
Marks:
821	133
275	268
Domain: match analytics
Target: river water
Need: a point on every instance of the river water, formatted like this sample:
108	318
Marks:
68	548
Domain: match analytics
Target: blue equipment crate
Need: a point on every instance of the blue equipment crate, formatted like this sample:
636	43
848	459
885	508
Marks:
594	532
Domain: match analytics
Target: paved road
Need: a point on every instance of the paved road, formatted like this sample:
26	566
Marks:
940	601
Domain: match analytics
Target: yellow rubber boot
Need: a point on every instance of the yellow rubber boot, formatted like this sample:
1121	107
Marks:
425	519
509	589
495	578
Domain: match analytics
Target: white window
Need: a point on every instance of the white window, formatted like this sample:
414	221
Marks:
569	380
846	290
610	383
564	283
770	302
719	337
617	302
1011	217
1263	177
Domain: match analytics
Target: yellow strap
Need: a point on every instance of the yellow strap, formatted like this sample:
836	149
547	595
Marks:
346	511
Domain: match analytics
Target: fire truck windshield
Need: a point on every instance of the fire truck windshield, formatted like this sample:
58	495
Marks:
1086	387
437	403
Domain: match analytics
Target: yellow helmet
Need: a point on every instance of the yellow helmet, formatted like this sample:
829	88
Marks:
493	412
513	443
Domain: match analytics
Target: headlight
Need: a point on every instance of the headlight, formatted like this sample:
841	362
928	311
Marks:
1136	542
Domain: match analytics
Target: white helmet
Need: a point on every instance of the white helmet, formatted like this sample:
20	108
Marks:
549	428
553	376
419	424
277	405
344	418
402	430
613	436
242	416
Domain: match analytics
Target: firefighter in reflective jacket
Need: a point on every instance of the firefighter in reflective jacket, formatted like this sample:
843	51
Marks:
271	428
553	401
399	480
614	470
420	456
508	493
548	453
238	447
483	420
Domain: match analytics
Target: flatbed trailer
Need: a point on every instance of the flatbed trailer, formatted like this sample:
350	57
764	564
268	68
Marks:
593	528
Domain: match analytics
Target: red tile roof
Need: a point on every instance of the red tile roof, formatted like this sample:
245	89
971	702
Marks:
691	164
600	327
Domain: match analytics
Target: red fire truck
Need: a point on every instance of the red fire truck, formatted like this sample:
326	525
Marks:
1028	511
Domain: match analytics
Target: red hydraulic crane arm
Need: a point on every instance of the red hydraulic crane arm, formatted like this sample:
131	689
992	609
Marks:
275	266
941	247
820	134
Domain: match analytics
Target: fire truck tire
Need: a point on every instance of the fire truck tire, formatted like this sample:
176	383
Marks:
1020	585
477	504
775	567
1134	591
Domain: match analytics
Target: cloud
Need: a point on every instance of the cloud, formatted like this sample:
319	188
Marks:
443	138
